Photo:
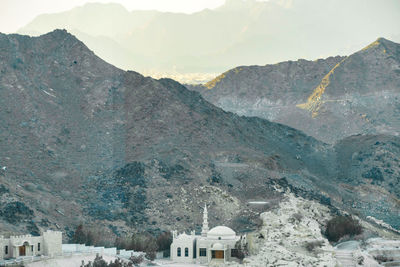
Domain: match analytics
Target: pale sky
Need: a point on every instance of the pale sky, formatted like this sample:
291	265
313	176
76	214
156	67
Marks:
15	14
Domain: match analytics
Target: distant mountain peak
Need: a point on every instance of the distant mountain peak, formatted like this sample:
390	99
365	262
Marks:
59	32
62	36
58	35
314	101
379	42
106	7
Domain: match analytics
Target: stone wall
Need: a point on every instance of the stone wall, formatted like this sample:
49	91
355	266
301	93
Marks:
52	243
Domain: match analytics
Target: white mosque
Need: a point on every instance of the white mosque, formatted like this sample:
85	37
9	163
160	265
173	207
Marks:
215	245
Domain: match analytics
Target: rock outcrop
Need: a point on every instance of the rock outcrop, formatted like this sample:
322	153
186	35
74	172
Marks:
291	236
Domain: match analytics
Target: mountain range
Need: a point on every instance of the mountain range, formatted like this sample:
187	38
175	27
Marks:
82	141
329	99
240	32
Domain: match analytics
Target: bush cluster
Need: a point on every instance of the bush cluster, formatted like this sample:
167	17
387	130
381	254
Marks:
341	226
383	258
92	236
138	242
241	250
100	262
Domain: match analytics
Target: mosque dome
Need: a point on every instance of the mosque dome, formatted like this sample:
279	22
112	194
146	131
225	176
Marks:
221	233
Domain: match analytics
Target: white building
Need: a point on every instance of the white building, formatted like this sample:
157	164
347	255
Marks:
47	244
215	245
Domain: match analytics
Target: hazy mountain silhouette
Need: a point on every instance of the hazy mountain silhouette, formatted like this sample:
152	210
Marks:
237	33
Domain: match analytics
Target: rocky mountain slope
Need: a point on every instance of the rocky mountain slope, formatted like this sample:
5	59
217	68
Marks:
84	142
328	99
237	33
120	146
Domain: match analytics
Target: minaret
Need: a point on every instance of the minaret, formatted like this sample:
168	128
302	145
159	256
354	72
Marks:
204	229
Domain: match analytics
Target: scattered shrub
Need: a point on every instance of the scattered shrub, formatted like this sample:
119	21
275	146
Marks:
16	212
3	189
360	260
382	258
375	174
341	226
310	246
215	177
164	241
100	262
297	216
241	250
136	260
151	255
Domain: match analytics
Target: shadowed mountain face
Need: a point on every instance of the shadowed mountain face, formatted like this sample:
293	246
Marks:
237	33
328	99
83	141
369	169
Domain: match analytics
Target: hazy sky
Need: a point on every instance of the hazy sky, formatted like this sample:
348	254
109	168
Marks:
17	13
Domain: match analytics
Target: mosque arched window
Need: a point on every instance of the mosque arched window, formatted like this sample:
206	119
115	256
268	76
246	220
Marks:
178	252
186	252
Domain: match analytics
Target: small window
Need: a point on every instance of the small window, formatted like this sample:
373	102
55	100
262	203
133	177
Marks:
186	252
32	248
203	252
6	250
178	252
38	247
219	238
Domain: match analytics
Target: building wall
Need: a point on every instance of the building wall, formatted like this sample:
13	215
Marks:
206	243
3	244
202	243
50	245
183	243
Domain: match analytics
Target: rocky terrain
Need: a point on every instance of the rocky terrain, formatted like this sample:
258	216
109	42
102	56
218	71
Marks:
239	32
328	99
291	236
82	141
